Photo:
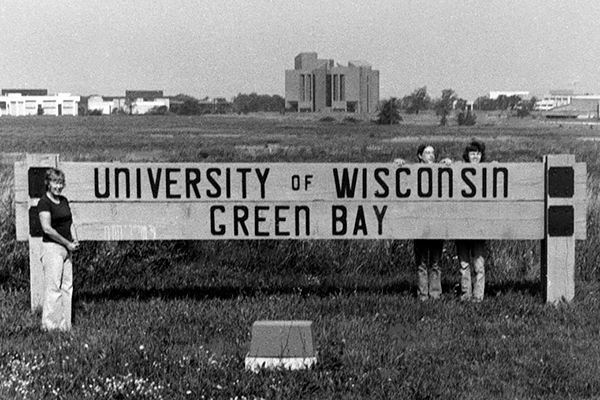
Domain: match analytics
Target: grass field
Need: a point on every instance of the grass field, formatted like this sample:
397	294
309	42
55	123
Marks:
172	320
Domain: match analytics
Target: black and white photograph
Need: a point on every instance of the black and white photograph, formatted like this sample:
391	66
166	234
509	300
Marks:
260	199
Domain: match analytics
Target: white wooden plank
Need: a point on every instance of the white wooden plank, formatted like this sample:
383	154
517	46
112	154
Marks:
560	270
580	201
326	220
301	182
22	221
21	182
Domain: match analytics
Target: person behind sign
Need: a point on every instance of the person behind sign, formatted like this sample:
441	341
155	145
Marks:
428	252
59	241
471	252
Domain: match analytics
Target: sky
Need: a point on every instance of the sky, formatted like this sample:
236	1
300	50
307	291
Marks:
226	47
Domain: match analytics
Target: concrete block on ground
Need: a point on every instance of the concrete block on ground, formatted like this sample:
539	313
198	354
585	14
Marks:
281	344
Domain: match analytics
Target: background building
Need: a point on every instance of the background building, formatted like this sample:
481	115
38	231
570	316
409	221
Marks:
134	102
556	98
106	104
321	85
565	104
522	94
142	101
19	102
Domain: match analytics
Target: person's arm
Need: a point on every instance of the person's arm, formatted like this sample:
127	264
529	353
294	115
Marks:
45	221
74	234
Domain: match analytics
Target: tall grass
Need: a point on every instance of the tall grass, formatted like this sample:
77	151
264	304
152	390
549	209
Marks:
14	257
113	267
171	320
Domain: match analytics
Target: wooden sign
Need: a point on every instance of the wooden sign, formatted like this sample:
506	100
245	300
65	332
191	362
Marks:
304	201
202	201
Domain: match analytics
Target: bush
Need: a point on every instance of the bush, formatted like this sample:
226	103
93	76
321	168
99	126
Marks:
158	110
389	114
327	119
522	112
467	118
351	120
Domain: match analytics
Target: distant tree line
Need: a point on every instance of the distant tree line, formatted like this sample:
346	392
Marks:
247	103
448	103
505	103
183	104
419	100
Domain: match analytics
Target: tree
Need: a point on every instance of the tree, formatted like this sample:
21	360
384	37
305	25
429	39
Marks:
466	118
184	104
460	104
524	108
129	103
444	105
505	103
158	110
416	101
531	103
245	103
389	112
484	103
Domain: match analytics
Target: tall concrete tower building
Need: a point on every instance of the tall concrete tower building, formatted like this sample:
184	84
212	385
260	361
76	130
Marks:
322	85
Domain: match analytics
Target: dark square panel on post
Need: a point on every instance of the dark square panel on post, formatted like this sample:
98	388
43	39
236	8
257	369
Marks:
36	177
561	182
35	226
561	221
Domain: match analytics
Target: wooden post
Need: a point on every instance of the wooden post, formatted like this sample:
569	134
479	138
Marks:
29	187
558	245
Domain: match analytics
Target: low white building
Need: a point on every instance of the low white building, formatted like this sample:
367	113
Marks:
107	105
584	106
141	106
142	101
556	98
20	104
134	102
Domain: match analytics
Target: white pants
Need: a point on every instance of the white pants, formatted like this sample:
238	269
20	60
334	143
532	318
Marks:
470	255
58	287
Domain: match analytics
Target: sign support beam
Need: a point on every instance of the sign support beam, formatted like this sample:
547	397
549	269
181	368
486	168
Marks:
24	177
558	244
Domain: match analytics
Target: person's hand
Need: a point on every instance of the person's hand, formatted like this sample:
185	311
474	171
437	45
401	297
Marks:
399	161
447	162
73	246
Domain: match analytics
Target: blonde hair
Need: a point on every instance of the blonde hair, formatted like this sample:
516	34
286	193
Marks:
54	175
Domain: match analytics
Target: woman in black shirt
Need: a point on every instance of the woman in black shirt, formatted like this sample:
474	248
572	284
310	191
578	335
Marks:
59	241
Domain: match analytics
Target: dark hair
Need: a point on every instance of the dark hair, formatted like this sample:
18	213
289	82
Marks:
474	146
421	149
53	175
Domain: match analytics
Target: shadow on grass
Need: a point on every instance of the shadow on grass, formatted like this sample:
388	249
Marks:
532	288
231	291
199	292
